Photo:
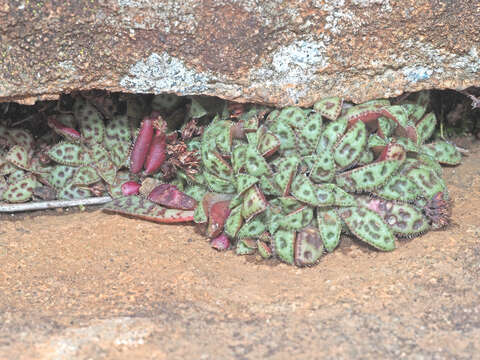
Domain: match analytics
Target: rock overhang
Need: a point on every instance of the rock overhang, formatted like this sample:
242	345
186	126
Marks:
274	52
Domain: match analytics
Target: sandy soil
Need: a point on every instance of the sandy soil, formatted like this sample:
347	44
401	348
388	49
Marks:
97	286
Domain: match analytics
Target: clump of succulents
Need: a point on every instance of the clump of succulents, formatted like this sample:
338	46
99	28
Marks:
288	182
285	183
85	162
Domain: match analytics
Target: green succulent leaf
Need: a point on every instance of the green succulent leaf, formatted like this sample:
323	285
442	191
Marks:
245	182
284	245
323	169
144	209
72	192
91	121
330	227
70	154
243	249
398	188
298	219
60	176
426	127
329	107
117	131
19	191
426	180
331	134
234	222
18	156
285	134
305	191
349	148
264	249
369	227
311	132
443	152
252	229
368	177
255	164
254	203
386	126
85	175
293	116
268	144
219	185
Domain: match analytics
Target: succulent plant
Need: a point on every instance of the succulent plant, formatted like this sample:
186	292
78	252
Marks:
86	161
288	182
282	183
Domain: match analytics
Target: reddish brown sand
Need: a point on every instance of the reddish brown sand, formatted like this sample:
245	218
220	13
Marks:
97	286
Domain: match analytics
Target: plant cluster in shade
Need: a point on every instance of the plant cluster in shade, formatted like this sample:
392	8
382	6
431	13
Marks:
285	183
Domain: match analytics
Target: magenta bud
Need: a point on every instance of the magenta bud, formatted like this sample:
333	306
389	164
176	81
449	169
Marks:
156	154
141	146
130	188
220	243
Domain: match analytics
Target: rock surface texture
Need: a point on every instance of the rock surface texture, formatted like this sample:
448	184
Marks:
277	52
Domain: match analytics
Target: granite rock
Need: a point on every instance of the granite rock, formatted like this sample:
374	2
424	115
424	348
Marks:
275	51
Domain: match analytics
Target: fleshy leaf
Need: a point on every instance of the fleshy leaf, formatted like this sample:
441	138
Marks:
72	192
368	177
297	219
238	157
219	185
426	127
293	116
285	134
351	145
264	250
312	131
443	152
243	249
330	226
253	228
329	107
340	196
91	121
68	154
117	131
85	175
426	180
224	140
398	188
402	219
386	126
255	164
268	144
245	182
254	203
369	227
308	246
304	190
60	175
268	186
331	134
20	191
323	169
234	222
18	156
284	245
142	208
